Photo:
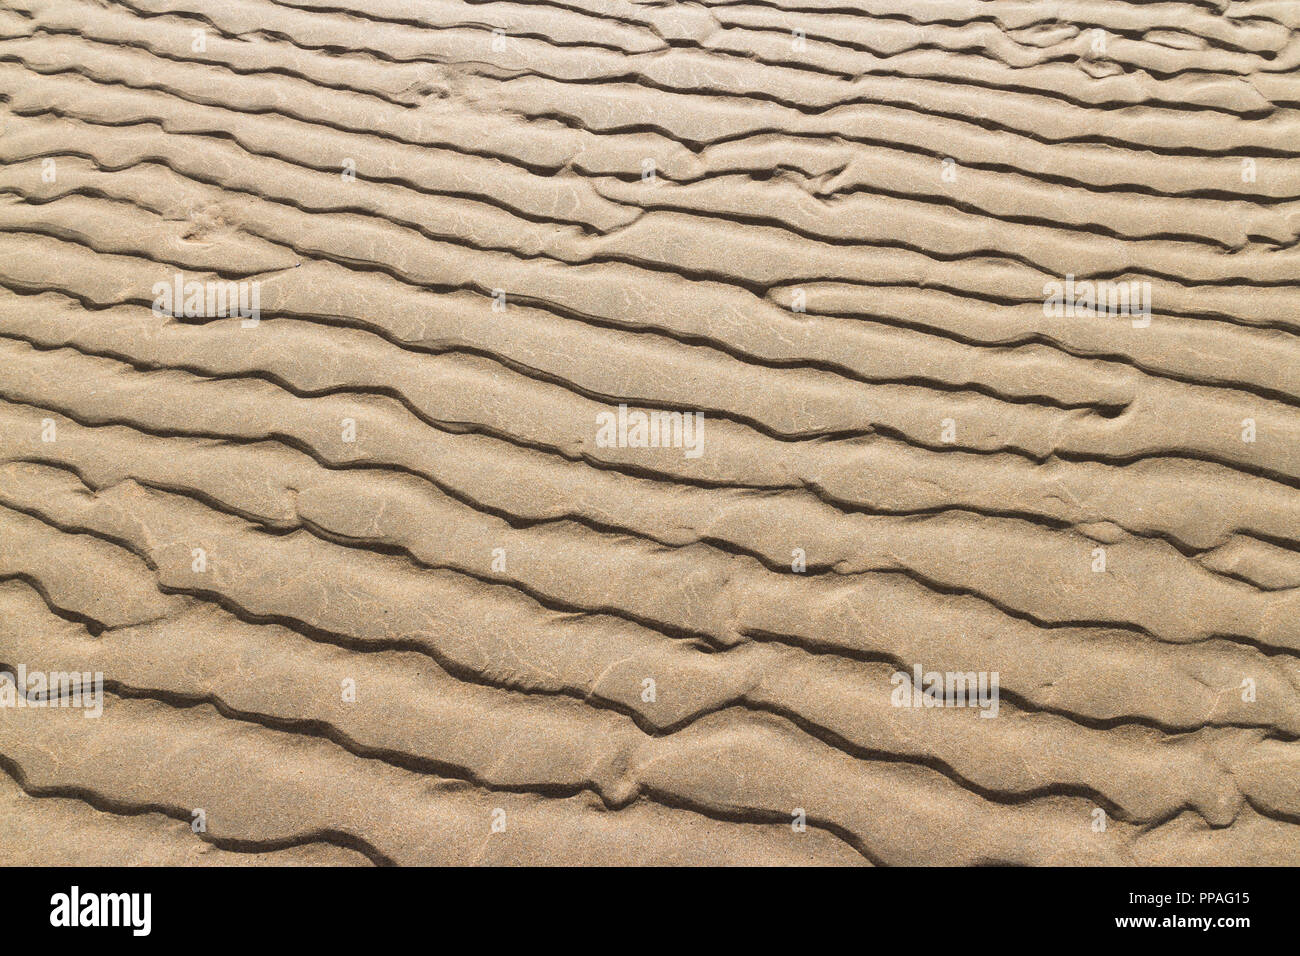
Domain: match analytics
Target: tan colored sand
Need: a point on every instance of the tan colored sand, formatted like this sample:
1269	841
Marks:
367	585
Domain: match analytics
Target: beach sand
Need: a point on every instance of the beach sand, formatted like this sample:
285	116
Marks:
826	432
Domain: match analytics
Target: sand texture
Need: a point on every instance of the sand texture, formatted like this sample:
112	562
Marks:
366	578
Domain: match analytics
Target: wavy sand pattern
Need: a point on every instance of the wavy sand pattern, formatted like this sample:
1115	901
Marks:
366	579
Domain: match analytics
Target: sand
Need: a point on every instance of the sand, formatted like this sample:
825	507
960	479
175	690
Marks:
610	432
